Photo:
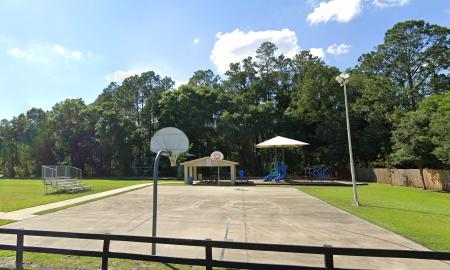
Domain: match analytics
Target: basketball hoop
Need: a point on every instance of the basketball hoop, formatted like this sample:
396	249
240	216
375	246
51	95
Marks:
173	159
169	139
216	155
169	142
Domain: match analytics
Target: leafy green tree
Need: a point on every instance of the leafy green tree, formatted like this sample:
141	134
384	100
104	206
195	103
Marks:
415	55
7	147
375	100
316	111
398	97
193	110
206	78
68	120
440	126
112	133
137	99
412	137
40	140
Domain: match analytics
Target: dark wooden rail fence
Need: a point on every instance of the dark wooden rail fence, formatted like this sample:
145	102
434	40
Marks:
327	251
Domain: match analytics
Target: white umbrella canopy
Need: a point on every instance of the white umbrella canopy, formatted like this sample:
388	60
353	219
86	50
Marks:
281	142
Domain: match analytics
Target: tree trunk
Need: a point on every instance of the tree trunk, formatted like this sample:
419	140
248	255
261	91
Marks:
421	176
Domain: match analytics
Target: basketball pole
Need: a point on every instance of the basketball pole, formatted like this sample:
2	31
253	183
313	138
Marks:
155	194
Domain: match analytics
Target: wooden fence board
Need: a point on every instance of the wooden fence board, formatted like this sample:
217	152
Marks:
438	180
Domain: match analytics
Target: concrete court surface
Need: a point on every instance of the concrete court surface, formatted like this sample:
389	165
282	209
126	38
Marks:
282	215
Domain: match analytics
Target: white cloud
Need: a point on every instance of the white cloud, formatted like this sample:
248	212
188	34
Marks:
234	46
18	53
389	3
338	10
317	52
45	53
58	49
76	55
120	75
336	49
196	41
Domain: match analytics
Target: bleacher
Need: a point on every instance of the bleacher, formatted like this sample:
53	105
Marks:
63	178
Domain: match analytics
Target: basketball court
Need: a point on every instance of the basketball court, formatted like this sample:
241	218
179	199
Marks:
281	215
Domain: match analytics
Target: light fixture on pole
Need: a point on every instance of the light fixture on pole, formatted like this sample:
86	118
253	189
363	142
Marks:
342	79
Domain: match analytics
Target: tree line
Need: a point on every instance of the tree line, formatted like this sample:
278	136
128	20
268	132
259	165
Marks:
399	113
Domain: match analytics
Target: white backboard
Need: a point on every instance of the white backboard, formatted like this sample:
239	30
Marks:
169	139
216	155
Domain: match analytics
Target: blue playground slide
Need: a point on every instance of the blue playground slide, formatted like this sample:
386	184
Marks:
270	176
281	173
278	175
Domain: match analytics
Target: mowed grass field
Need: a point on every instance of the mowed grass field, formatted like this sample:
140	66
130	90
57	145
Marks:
41	261
5	221
18	194
422	216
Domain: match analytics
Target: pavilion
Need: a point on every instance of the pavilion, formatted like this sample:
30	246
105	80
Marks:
190	167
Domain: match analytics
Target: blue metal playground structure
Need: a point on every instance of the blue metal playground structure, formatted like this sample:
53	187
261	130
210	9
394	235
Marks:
279	170
320	172
277	174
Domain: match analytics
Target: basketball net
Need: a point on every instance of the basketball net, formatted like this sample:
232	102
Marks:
173	160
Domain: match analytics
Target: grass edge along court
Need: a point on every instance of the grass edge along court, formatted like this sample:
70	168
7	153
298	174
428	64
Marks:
419	215
164	183
18	194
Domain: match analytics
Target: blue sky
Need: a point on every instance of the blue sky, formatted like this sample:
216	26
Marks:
52	50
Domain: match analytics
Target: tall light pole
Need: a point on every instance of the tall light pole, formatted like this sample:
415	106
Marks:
343	80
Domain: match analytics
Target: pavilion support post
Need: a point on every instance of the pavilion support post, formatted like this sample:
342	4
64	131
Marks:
186	174
233	174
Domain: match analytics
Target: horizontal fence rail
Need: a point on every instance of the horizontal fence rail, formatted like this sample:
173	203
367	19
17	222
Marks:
327	251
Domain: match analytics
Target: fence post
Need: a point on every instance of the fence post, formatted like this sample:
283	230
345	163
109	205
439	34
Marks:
208	254
329	263
105	255
19	250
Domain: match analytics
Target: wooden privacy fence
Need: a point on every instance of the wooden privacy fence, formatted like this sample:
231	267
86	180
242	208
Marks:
434	179
327	251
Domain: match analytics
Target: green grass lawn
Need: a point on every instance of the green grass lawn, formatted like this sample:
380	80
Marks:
60	262
422	216
5	221
18	194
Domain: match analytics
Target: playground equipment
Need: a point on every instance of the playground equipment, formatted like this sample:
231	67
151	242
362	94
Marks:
318	172
279	171
277	175
62	178
241	175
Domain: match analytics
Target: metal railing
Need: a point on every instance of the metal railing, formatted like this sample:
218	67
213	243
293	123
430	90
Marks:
60	171
327	251
54	175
